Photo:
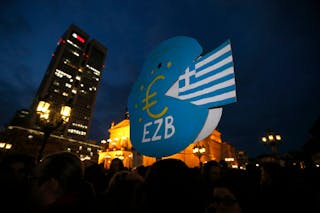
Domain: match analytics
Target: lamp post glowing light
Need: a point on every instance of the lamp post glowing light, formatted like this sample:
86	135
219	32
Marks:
199	150
50	120
272	140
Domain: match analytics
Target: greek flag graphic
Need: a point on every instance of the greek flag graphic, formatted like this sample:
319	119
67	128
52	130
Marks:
209	82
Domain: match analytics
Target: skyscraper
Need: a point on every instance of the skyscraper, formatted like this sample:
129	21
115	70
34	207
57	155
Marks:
72	78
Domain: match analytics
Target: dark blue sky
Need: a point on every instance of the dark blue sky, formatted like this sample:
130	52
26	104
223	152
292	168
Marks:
275	47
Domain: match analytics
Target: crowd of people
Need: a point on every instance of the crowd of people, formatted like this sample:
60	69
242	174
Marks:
61	182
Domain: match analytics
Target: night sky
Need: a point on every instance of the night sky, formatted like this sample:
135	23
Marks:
275	45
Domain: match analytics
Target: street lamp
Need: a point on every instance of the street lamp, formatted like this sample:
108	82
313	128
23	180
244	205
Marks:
272	140
50	120
199	150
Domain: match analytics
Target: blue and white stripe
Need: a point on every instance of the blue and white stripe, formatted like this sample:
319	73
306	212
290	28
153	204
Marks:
210	80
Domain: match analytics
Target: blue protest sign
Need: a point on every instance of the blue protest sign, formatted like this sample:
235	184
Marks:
177	97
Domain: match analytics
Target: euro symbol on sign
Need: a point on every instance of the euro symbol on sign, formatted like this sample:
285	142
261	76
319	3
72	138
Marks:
149	96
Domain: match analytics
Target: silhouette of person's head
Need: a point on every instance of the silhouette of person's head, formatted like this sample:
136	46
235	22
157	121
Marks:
15	170
231	193
211	171
116	165
55	176
223	164
169	185
19	166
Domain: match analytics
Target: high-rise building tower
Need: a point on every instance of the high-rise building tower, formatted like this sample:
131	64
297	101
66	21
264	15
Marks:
72	78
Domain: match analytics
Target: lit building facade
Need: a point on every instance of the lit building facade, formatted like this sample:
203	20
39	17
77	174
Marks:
119	146
72	78
21	140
